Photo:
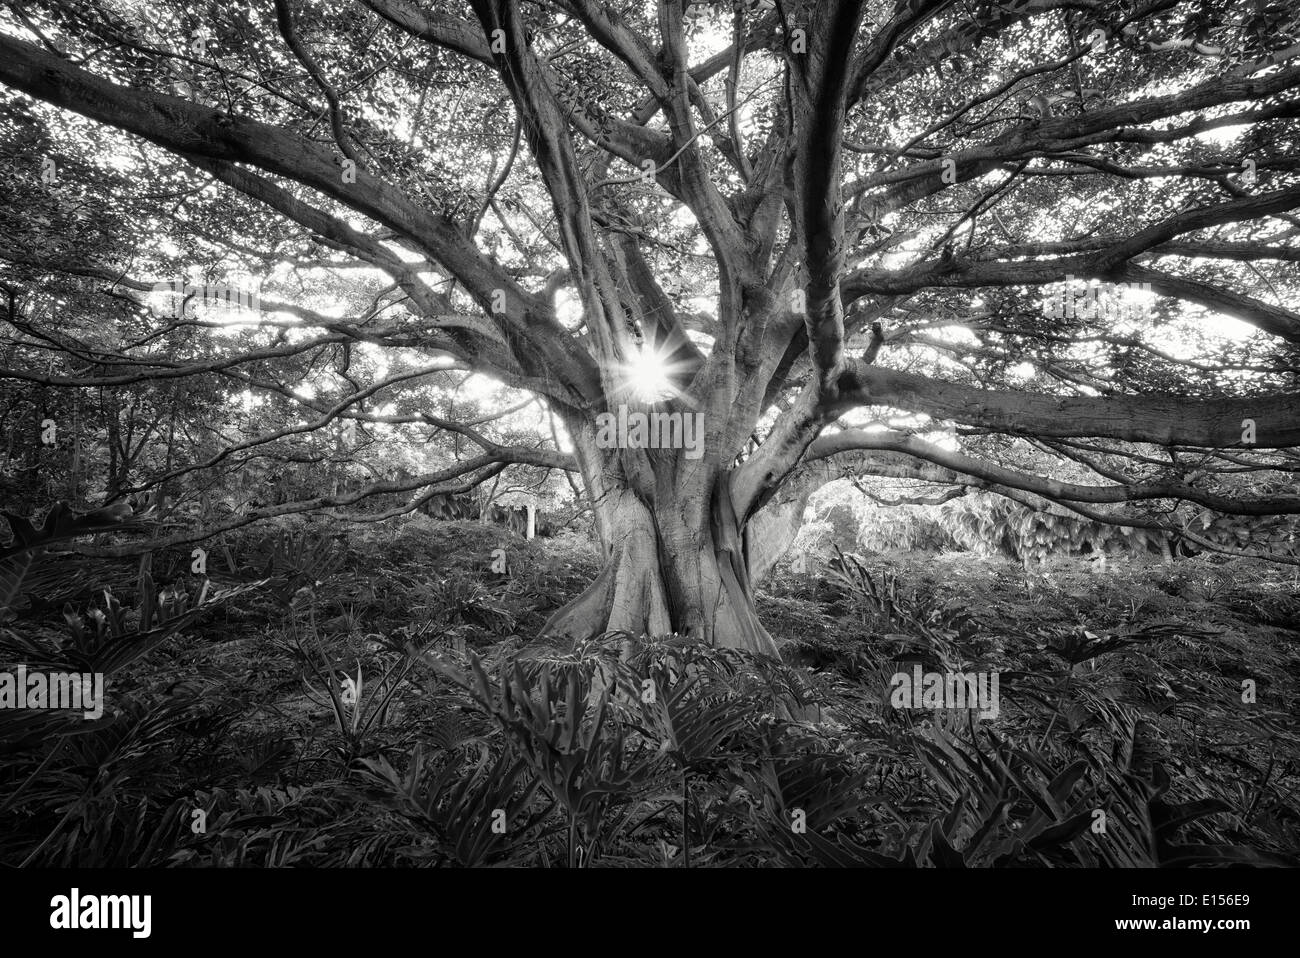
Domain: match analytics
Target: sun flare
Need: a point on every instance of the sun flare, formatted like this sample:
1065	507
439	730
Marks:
648	377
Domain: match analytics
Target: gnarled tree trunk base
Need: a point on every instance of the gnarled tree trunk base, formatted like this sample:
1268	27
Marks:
696	587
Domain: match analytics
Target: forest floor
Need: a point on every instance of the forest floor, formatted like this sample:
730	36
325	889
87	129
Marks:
373	698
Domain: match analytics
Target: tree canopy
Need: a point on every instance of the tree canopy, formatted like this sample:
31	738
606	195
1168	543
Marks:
1043	248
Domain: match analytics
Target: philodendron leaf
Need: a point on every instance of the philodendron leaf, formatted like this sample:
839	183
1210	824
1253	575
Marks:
61	523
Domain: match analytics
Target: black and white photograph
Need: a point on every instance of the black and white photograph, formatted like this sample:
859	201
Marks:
763	435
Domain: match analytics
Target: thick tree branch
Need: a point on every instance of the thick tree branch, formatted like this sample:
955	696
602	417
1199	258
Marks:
1163	420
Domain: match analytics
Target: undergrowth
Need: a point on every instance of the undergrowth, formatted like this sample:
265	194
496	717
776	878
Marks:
374	699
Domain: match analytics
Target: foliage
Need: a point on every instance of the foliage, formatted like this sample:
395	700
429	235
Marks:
989	524
399	746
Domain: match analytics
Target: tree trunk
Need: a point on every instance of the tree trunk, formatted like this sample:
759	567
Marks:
115	477
673	570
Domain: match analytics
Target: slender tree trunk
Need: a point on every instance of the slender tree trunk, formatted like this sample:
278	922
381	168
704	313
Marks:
114	444
74	478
